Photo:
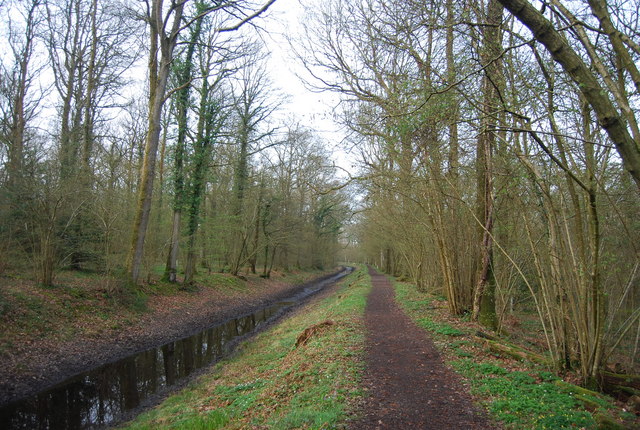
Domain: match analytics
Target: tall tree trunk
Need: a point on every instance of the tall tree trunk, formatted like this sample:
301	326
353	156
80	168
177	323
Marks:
158	76
256	231
17	126
171	269
265	274
184	73
484	295
88	132
240	183
68	72
453	162
161	174
596	300
209	126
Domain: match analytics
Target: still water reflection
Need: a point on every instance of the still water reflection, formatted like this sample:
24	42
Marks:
100	396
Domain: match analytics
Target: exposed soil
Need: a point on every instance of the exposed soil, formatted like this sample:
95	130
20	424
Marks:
407	382
38	364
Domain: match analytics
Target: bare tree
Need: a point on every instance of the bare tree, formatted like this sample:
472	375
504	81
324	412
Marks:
17	83
20	99
165	25
616	121
253	104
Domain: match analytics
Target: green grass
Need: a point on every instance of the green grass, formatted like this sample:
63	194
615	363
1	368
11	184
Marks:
418	306
440	328
523	399
271	383
222	281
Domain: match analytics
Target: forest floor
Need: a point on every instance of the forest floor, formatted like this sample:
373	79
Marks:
50	334
371	353
408	384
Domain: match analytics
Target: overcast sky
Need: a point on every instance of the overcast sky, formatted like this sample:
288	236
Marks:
314	110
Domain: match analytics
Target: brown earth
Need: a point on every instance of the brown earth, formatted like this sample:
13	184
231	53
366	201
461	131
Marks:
407	382
33	364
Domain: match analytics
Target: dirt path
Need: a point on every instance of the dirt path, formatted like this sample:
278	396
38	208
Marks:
409	387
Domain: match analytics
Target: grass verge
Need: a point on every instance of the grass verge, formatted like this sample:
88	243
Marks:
518	395
272	383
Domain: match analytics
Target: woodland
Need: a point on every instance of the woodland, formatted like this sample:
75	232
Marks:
496	144
118	179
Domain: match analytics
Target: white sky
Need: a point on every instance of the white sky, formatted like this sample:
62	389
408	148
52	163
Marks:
314	110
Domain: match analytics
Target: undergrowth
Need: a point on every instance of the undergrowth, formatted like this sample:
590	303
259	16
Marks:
522	400
271	383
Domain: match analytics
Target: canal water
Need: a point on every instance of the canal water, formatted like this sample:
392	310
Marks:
103	395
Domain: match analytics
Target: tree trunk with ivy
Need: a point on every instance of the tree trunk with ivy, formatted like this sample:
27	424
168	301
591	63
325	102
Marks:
484	309
210	122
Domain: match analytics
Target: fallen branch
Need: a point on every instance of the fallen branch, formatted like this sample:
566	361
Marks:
501	347
620	385
576	389
632	381
589	399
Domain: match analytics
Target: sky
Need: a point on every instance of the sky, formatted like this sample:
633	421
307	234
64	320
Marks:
314	109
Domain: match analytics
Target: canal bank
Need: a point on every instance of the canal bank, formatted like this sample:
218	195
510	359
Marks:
33	363
111	392
303	372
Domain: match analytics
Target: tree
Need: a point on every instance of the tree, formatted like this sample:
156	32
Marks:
212	114
183	69
253	104
90	46
613	121
17	82
165	26
19	103
493	84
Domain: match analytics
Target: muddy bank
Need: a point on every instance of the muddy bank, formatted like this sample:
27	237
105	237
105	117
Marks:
35	365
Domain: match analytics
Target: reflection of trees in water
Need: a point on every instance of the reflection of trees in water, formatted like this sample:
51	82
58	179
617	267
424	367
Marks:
100	396
129	397
169	363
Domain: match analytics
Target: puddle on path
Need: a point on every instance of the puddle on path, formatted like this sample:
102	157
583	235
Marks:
100	396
